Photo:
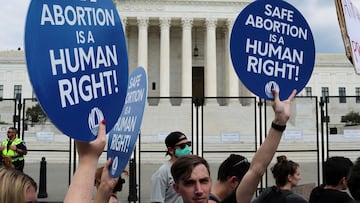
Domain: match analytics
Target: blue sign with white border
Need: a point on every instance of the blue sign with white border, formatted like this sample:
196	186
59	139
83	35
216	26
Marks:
123	137
272	46
77	63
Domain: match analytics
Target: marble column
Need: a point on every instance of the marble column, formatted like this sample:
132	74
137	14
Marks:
233	81
143	23
186	79
124	24
210	68
165	57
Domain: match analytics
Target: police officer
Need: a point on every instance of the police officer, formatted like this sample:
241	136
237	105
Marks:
14	148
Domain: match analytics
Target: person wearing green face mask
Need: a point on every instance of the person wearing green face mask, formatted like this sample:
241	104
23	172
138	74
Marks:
162	190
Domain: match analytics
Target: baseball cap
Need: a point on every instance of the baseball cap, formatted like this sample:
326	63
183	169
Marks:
173	138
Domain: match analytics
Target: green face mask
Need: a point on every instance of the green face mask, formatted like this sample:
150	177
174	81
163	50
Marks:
181	152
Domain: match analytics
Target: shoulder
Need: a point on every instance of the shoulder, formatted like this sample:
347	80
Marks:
265	195
316	192
165	167
336	193
18	140
295	198
213	199
163	170
230	199
317	189
329	195
268	190
343	195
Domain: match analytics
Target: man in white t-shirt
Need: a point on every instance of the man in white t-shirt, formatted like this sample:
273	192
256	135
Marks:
162	190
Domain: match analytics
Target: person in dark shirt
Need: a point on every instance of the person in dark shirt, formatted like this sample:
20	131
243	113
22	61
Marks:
230	173
336	170
354	181
287	175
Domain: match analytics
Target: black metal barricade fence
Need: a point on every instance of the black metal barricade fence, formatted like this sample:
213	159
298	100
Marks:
217	126
300	142
341	126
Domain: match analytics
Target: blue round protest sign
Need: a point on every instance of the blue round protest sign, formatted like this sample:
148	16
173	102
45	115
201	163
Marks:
123	137
272	46
77	63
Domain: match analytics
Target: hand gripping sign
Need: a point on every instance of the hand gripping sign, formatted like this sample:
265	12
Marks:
77	63
272	46
123	137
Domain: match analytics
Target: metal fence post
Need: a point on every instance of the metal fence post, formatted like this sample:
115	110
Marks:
42	183
132	181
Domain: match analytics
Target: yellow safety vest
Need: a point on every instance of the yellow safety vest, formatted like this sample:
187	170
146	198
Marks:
11	153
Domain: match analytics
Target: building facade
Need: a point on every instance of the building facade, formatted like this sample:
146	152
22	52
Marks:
184	46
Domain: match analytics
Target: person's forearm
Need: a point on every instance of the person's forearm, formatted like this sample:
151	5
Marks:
82	184
265	153
103	194
258	166
21	151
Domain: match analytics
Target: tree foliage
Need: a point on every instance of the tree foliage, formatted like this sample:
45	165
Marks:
35	114
352	118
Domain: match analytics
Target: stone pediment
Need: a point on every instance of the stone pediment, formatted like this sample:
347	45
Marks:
180	8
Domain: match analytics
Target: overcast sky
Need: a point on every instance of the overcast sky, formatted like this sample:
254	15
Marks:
320	14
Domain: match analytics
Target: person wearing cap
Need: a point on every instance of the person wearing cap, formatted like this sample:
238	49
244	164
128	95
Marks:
162	190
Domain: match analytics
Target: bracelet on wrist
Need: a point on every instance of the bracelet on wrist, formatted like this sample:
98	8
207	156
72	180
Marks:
280	128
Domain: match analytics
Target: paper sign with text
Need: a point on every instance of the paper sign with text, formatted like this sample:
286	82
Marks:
349	21
77	63
272	47
123	137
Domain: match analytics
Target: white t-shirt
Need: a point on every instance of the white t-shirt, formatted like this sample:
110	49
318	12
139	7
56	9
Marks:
161	186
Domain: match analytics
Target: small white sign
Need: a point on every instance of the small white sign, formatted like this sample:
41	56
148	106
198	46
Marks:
162	135
230	137
351	133
45	136
292	135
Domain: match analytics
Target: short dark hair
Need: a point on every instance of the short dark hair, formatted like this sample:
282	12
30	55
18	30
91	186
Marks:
182	168
13	128
335	168
354	180
234	165
282	169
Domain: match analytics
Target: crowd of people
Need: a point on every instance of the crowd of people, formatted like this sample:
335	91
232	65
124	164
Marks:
185	178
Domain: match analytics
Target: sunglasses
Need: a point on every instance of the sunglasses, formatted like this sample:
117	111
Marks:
240	162
183	145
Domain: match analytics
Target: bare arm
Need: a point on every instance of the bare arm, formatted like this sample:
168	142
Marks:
82	184
107	185
265	153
